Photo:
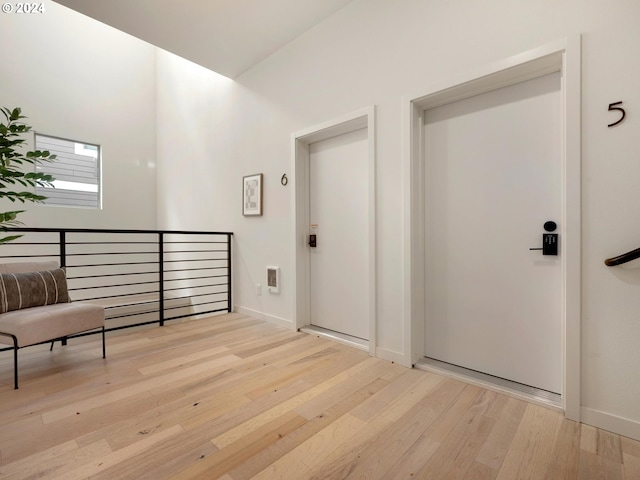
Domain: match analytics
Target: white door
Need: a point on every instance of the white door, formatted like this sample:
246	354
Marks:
493	178
338	205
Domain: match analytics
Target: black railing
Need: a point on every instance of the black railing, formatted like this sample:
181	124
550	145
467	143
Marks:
140	276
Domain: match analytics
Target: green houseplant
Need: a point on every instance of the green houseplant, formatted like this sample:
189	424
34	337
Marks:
12	165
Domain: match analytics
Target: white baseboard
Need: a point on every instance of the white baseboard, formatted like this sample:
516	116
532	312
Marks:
283	322
612	423
391	356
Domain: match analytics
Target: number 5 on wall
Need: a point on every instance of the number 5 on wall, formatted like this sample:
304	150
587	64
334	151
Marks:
612	106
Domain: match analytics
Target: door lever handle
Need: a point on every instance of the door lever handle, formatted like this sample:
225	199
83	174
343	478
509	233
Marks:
549	244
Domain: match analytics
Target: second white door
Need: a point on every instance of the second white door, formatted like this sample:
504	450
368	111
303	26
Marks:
338	205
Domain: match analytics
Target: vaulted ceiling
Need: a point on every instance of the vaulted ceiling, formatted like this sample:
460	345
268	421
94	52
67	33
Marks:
226	36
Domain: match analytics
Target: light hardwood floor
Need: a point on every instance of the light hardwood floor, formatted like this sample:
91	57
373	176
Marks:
232	397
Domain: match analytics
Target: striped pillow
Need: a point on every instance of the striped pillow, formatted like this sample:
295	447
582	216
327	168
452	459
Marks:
32	289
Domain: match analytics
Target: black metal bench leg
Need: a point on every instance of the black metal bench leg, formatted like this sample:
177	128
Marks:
15	362
64	342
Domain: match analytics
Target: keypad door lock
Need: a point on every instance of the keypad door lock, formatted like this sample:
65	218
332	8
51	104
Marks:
313	235
549	240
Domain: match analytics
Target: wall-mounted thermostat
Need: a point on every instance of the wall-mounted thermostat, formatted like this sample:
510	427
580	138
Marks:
273	279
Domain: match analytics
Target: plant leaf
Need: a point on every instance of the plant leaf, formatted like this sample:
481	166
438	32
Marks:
9	238
12	160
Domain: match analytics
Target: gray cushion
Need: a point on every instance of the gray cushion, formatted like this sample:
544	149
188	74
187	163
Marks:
32	289
34	325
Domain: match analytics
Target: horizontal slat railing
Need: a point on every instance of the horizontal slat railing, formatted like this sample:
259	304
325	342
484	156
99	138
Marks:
140	276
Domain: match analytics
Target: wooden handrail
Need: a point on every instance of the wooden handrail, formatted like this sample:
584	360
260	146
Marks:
624	258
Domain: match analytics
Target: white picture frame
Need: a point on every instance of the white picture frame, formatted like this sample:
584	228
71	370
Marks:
252	195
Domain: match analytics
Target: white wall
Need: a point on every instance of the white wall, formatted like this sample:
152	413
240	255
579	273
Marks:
213	131
372	53
76	78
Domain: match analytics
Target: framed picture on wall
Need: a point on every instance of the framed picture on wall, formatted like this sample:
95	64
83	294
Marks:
252	194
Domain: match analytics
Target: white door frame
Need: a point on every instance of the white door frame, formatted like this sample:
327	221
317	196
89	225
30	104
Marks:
562	56
364	118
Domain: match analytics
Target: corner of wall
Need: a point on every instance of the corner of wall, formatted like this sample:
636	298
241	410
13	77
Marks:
282	322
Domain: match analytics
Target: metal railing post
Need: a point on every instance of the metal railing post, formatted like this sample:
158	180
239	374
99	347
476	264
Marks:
63	264
229	273
63	249
161	277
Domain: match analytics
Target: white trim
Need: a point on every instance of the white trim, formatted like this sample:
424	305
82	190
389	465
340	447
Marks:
363	118
283	322
390	356
563	56
572	88
612	423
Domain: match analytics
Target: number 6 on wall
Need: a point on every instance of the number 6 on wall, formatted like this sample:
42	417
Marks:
612	106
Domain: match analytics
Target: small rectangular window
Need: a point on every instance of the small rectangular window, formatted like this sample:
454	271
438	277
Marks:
76	170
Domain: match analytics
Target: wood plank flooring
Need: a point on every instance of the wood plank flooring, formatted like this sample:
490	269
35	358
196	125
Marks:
232	397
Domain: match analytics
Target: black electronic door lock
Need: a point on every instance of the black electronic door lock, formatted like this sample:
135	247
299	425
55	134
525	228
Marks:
313	235
549	240
549	244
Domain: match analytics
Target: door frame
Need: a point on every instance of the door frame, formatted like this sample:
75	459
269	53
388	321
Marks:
562	56
363	118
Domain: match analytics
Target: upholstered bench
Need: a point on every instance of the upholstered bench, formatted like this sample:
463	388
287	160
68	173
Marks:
35	307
